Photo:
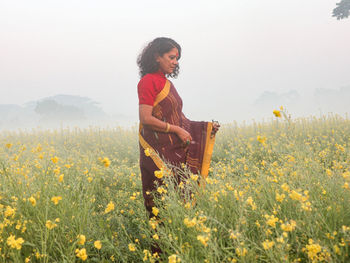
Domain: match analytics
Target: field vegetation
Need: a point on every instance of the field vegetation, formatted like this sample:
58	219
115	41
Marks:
277	191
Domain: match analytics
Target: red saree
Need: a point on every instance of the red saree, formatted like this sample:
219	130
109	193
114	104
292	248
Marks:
168	146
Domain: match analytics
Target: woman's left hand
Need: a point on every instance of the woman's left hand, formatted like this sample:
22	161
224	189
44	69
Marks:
216	127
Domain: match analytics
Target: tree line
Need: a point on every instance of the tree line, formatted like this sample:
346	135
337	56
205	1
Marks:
342	10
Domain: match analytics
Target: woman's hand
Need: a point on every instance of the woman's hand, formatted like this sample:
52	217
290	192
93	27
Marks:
184	135
215	129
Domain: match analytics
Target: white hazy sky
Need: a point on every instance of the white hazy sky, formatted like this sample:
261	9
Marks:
232	50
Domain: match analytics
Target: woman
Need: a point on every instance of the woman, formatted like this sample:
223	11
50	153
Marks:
166	135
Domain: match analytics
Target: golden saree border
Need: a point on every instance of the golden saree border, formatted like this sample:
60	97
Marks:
155	157
145	145
208	151
163	93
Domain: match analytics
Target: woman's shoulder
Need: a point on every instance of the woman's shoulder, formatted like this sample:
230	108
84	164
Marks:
152	78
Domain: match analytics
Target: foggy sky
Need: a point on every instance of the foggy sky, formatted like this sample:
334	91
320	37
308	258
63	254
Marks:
232	51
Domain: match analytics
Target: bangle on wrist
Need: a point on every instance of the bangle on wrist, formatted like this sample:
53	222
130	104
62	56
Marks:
167	127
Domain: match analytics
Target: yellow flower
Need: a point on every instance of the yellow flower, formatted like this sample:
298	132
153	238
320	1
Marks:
81	239
147	255
8	145
280	239
280	197
261	139
241	252
203	240
289	227
147	152
158	174
9	211
32	200
194	177
313	249
336	249
15	243
56	199
271	220
81	253
295	195
110	207
285	187
132	247
153	223
250	202
60	178
155	236
97	244
54	159
50	225
57	170
106	162
155	211
267	244
190	223
173	259
161	190
277	113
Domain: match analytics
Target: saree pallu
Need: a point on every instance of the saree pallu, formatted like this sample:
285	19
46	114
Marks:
168	146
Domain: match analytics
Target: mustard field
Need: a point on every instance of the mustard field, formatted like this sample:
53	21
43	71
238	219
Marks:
277	191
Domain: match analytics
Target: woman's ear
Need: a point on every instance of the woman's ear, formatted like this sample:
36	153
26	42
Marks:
156	57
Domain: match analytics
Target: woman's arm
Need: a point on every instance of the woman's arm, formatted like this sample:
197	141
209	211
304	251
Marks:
147	119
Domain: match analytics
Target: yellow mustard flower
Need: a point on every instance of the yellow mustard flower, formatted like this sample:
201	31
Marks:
81	239
81	253
155	211
110	207
267	244
158	174
98	244
203	240
15	243
50	225
132	247
277	113
106	162
190	223
9	211
173	259
56	199
147	152
8	145
32	200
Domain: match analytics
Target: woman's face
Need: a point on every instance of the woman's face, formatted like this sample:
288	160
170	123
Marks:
168	61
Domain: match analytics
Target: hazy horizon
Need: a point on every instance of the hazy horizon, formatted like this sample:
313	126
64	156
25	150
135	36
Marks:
233	52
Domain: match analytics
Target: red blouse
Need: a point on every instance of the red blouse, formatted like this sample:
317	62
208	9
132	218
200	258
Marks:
149	86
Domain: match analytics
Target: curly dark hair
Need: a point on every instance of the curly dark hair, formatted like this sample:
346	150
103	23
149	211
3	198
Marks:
147	59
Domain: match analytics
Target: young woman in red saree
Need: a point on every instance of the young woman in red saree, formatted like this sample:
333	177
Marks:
166	135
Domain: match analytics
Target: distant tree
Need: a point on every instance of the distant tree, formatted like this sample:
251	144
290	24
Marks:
47	107
342	10
53	111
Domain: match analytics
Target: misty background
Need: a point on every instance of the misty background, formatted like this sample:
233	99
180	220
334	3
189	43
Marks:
74	62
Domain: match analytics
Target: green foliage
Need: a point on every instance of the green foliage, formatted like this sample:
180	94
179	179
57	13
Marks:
342	10
276	192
